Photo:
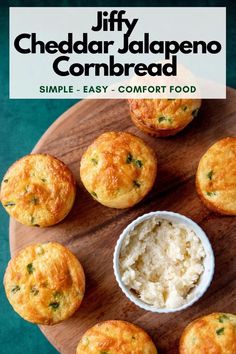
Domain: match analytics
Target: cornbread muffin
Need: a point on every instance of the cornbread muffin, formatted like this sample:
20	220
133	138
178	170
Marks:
45	283
116	337
216	177
118	169
38	190
212	334
163	117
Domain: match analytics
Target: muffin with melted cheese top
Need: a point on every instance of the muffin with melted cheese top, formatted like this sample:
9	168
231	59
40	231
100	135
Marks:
118	169
38	190
163	117
116	337
216	177
45	283
214	333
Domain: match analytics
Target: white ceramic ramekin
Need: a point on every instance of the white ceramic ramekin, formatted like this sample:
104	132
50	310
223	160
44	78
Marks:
209	262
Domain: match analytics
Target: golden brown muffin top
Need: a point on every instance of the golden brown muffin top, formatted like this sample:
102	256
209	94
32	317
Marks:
45	283
162	114
116	337
216	176
38	190
118	169
212	334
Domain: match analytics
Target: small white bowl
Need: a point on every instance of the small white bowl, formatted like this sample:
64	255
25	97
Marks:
209	262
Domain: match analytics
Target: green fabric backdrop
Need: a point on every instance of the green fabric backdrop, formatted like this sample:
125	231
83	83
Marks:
22	122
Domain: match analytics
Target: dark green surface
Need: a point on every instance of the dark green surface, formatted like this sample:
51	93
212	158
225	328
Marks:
22	123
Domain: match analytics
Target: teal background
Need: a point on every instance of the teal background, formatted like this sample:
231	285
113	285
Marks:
22	122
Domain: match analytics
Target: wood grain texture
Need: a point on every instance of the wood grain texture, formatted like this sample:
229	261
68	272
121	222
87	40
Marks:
91	230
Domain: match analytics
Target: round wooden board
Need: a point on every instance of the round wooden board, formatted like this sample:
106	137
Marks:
91	230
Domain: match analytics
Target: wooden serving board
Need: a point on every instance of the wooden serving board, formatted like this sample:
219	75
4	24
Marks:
91	230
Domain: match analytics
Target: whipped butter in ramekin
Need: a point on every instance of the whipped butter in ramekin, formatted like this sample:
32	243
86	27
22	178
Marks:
163	262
